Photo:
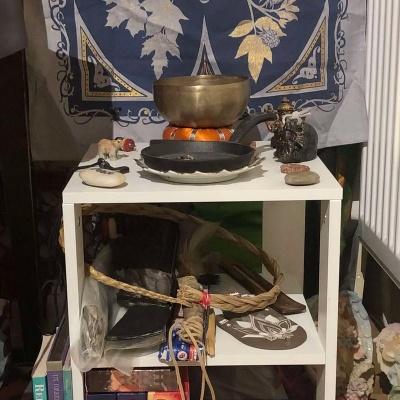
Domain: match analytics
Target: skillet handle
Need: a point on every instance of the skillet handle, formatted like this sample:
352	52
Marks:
249	122
156	141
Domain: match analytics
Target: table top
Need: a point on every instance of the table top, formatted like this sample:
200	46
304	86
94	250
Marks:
264	183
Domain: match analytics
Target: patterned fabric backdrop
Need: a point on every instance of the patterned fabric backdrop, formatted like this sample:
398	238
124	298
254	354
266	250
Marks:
105	54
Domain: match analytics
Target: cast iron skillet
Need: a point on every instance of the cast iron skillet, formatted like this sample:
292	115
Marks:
187	156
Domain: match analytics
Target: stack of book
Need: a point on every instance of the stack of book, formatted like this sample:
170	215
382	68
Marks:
141	384
51	374
52	378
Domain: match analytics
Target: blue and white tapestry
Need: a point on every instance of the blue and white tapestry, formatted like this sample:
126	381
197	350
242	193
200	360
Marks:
109	52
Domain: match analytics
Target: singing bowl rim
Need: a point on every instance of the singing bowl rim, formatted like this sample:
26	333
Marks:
202	101
194	80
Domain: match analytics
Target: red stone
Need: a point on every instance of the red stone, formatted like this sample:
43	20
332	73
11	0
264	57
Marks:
294	168
128	145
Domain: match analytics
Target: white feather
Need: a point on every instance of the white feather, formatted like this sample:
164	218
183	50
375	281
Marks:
200	237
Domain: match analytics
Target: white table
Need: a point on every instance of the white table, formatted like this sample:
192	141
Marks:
283	239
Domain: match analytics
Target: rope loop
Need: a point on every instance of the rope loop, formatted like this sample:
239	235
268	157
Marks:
186	330
186	295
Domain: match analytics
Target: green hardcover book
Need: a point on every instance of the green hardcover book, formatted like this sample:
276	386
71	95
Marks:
67	377
39	384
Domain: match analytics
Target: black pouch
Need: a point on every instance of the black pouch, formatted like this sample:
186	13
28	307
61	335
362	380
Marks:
146	259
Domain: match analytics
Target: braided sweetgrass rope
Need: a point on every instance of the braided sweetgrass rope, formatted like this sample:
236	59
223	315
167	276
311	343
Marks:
187	295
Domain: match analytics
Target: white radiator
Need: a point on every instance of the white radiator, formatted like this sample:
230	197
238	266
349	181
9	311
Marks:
380	172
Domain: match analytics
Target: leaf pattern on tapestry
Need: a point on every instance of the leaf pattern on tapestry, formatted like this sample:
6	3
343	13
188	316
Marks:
160	21
263	31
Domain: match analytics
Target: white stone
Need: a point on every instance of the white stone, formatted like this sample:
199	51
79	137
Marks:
101	177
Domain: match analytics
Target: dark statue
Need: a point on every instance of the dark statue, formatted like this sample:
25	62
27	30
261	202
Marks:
294	140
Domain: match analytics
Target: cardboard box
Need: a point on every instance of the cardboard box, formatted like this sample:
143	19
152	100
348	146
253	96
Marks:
132	396
140	380
164	396
175	395
101	396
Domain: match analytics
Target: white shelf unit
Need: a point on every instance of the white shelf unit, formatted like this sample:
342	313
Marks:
283	239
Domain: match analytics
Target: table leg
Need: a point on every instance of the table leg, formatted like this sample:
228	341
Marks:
328	296
75	273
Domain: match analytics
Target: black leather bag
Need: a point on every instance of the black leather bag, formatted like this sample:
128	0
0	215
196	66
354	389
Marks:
146	258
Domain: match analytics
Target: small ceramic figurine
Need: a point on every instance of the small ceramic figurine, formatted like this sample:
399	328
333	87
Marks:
295	141
388	352
128	144
355	371
107	148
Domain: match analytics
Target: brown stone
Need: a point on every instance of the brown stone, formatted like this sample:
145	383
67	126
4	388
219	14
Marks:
293	168
302	178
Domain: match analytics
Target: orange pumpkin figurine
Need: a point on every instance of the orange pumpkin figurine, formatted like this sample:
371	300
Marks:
172	132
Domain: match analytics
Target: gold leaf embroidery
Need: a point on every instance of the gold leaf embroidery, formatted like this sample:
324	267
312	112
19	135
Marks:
247	44
287	3
262	35
269	23
257	51
283	22
267	53
293	8
242	29
286	15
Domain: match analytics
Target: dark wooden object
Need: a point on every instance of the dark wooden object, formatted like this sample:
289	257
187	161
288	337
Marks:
256	284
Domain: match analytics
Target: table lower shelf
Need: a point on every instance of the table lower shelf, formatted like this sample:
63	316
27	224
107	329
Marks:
230	351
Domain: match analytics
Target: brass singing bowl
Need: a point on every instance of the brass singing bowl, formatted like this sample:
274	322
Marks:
202	101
